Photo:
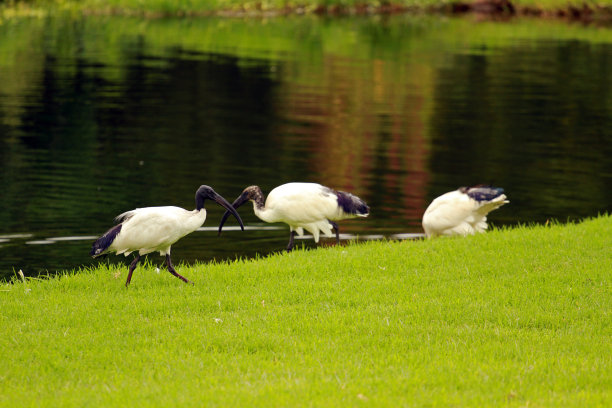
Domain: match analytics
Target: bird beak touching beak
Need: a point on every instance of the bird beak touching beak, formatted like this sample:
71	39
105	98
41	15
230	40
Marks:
230	209
243	198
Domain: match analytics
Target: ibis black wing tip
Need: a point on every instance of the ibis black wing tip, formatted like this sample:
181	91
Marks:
102	244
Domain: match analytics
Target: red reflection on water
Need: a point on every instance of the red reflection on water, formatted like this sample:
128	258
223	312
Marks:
366	133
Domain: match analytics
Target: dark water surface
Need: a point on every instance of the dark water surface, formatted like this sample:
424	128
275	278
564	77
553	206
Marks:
102	115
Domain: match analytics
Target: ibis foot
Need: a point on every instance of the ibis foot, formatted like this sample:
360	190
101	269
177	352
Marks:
131	270
174	272
290	245
333	224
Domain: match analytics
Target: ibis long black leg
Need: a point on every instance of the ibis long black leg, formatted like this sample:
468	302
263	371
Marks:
172	271
132	267
337	231
290	246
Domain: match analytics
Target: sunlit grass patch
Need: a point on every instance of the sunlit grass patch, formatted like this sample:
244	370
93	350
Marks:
512	317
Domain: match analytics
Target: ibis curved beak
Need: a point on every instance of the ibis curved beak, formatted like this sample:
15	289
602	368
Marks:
230	209
243	198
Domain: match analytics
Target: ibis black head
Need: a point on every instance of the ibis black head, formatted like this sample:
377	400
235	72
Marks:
206	192
251	193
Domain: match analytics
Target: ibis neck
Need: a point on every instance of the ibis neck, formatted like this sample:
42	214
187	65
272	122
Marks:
199	203
201	213
194	221
262	212
258	199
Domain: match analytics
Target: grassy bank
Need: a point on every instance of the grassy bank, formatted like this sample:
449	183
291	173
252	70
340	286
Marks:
509	318
573	9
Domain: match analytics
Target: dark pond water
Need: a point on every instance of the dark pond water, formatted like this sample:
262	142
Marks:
102	115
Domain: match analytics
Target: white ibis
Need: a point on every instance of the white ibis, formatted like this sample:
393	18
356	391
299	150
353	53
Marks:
303	206
151	229
463	211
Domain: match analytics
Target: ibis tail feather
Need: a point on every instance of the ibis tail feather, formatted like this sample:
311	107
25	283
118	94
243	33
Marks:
352	205
100	246
483	193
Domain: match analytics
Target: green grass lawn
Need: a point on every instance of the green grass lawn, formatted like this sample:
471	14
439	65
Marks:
517	317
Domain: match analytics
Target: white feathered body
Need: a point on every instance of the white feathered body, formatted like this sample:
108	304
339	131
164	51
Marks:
154	229
305	206
456	213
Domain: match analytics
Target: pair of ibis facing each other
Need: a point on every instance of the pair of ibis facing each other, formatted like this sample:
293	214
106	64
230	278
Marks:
303	206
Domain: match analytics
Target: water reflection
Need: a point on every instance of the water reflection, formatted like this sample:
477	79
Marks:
99	116
547	139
